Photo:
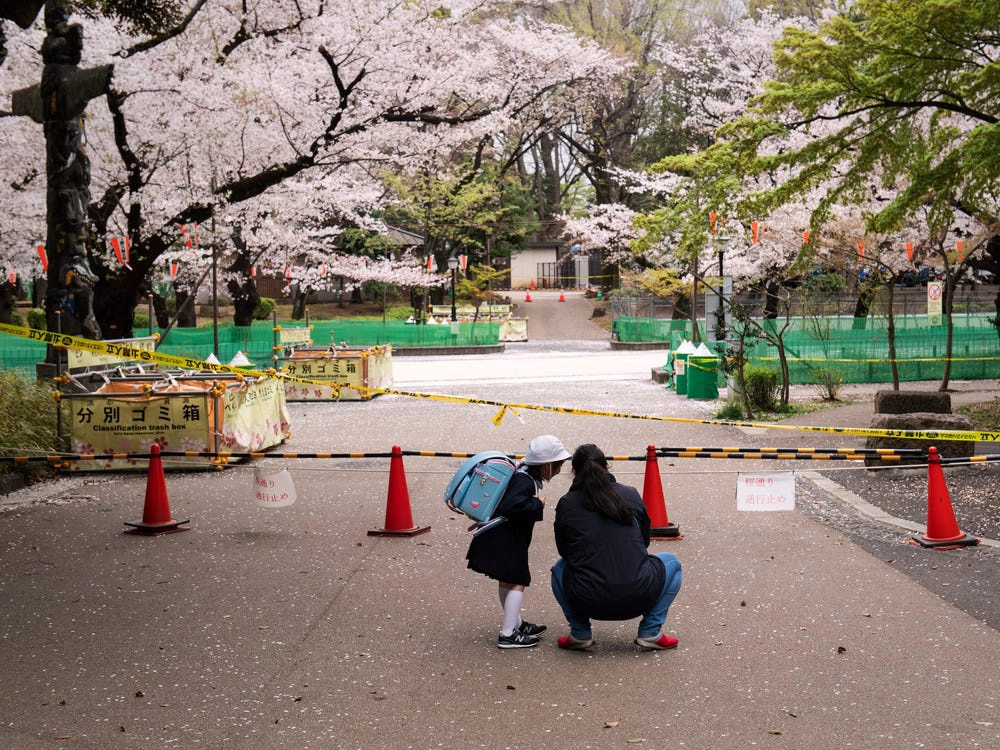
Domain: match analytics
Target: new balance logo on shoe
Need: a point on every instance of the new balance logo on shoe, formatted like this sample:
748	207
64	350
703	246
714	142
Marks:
517	640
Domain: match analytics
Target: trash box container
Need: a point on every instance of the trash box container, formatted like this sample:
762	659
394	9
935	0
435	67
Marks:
702	377
685	350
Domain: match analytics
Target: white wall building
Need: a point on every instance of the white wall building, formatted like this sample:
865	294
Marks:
524	264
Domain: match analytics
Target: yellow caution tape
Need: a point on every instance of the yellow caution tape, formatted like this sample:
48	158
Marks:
115	349
187	363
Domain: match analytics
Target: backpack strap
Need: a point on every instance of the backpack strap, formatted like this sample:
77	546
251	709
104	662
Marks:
479	528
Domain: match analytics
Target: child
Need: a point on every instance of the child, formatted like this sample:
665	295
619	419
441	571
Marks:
501	552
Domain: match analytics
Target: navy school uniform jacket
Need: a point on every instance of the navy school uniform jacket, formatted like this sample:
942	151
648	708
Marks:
502	551
609	574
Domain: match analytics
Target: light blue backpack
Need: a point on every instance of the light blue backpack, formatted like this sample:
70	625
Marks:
479	484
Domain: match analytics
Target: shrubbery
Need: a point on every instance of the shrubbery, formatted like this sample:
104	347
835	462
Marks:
827	383
762	387
732	411
36	318
265	309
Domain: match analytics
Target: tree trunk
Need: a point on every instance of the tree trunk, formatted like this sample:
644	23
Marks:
866	294
890	334
41	285
115	298
783	361
681	308
8	298
245	300
418	301
949	297
241	285
771	300
187	316
299	297
996	308
160	311
549	183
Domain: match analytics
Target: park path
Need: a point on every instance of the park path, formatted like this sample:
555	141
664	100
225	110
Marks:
293	628
552	320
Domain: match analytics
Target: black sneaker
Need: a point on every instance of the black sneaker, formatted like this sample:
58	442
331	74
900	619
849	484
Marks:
529	628
517	640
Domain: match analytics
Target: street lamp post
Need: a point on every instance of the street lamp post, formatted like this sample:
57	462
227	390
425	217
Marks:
453	266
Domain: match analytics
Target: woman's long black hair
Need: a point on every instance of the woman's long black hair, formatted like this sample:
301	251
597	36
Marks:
590	467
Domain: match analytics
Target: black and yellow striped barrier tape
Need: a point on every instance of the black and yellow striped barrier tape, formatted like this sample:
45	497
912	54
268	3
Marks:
850	454
188	363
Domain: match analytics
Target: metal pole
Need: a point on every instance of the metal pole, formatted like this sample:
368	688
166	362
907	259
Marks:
454	317
59	422
215	296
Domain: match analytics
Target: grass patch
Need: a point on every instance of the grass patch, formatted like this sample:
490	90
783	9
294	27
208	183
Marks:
28	425
985	416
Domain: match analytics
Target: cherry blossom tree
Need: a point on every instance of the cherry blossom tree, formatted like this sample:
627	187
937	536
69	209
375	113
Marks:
278	116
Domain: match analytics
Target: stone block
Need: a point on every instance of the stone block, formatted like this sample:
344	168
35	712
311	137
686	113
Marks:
923	422
909	402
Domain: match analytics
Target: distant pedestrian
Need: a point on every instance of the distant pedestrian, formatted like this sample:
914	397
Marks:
501	551
605	572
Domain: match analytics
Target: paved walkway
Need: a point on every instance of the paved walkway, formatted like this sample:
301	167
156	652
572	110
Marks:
292	628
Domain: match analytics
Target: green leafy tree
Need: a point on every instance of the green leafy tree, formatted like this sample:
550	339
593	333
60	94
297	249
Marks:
474	213
893	105
477	286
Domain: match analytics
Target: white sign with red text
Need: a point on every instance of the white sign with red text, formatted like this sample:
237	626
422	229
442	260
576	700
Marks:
769	490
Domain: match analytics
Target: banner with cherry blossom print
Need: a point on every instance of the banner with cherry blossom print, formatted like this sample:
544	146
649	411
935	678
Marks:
255	416
348	371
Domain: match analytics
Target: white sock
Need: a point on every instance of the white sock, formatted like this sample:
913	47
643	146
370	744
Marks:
511	611
503	591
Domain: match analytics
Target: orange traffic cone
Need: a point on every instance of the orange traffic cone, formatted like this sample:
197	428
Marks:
531	284
398	517
562	296
156	518
527	296
652	498
942	528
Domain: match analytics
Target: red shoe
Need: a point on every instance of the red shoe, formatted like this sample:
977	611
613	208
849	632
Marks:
656	644
569	642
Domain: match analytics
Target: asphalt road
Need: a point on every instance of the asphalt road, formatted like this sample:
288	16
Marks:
293	628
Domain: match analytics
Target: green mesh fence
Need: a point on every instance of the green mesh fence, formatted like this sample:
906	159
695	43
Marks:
634	330
858	349
257	341
20	354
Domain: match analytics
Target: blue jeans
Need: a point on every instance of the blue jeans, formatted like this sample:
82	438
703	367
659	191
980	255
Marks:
652	621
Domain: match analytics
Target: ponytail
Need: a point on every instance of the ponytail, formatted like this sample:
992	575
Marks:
592	478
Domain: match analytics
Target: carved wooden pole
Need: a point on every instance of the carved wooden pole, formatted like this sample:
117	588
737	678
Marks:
58	102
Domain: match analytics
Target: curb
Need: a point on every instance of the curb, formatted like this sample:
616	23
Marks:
872	512
638	346
433	351
11	483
